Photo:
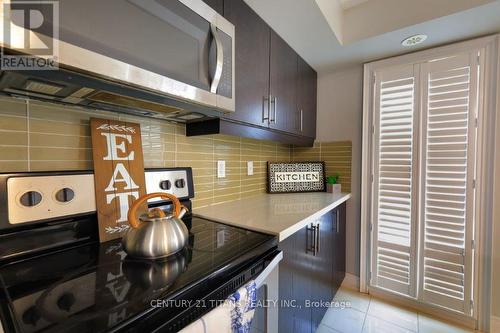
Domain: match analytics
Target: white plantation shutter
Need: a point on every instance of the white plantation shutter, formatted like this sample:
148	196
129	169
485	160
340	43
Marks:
424	139
448	150
394	235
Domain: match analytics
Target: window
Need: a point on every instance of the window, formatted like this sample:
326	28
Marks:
423	180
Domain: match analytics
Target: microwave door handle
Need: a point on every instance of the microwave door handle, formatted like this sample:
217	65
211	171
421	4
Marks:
219	59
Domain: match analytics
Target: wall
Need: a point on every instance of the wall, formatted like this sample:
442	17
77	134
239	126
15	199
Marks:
336	155
340	109
38	136
495	262
495	278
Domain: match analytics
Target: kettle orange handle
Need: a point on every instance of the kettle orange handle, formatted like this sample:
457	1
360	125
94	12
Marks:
132	213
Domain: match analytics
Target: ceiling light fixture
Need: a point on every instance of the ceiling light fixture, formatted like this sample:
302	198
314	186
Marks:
414	40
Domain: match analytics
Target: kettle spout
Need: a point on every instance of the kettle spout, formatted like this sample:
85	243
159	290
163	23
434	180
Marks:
183	212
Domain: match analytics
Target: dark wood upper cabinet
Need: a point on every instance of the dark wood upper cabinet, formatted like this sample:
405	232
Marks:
275	89
283	78
252	63
306	99
218	5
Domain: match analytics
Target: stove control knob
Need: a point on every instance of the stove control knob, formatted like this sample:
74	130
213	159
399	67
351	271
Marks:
180	183
65	195
165	185
30	198
31	316
66	301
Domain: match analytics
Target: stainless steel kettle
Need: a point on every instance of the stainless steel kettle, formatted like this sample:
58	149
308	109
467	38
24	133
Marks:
155	235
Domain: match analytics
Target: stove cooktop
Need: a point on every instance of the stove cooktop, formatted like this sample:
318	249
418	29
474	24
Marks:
97	288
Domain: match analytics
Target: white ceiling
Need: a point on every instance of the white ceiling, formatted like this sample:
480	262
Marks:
378	33
345	4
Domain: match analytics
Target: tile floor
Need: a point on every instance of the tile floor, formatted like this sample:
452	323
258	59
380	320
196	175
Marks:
370	315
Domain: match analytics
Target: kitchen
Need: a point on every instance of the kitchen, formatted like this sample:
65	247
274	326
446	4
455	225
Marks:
249	142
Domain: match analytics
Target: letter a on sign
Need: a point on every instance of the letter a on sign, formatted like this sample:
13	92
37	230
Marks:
118	173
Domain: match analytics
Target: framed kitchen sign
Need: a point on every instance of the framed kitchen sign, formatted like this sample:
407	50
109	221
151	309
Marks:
289	177
118	173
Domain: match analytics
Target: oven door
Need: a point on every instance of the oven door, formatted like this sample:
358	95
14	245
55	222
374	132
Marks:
264	271
266	312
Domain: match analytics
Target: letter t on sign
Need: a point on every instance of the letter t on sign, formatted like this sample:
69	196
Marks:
118	173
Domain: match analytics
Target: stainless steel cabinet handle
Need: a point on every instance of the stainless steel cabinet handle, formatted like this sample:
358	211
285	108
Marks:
275	109
315	235
301	120
219	61
313	247
318	235
274	102
269	103
264	118
338	221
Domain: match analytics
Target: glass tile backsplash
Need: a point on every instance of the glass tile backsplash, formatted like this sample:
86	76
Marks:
37	136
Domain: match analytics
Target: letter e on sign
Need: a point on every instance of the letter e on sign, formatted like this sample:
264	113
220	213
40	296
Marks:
118	173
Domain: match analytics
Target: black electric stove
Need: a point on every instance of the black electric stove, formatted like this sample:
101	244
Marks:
79	285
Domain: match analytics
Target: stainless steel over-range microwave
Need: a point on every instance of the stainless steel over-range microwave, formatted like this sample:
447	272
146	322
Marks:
163	58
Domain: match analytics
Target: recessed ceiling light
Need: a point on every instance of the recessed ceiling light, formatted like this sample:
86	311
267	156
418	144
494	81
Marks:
414	40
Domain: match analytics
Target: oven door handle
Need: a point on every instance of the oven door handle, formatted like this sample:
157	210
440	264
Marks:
259	280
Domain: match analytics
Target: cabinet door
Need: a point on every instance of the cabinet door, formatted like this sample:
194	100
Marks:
283	85
296	279
251	64
218	5
339	248
306	96
323	267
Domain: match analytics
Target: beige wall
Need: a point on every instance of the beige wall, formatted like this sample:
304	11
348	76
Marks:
495	281
340	109
37	136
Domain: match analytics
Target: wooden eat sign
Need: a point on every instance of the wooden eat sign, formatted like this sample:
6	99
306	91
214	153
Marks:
118	173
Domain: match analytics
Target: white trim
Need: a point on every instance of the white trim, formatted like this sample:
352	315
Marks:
490	286
434	53
364	261
485	170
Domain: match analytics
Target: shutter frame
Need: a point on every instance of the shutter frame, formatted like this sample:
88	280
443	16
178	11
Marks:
395	122
423	192
446	183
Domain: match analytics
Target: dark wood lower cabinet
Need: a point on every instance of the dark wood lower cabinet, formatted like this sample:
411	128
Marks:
312	269
324	262
339	218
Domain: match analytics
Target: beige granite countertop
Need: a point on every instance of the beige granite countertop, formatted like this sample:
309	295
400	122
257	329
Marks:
276	214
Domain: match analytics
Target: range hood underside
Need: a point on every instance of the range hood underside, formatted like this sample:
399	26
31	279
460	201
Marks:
77	89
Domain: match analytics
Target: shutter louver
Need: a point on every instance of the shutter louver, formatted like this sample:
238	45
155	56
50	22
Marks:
448	164
393	181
